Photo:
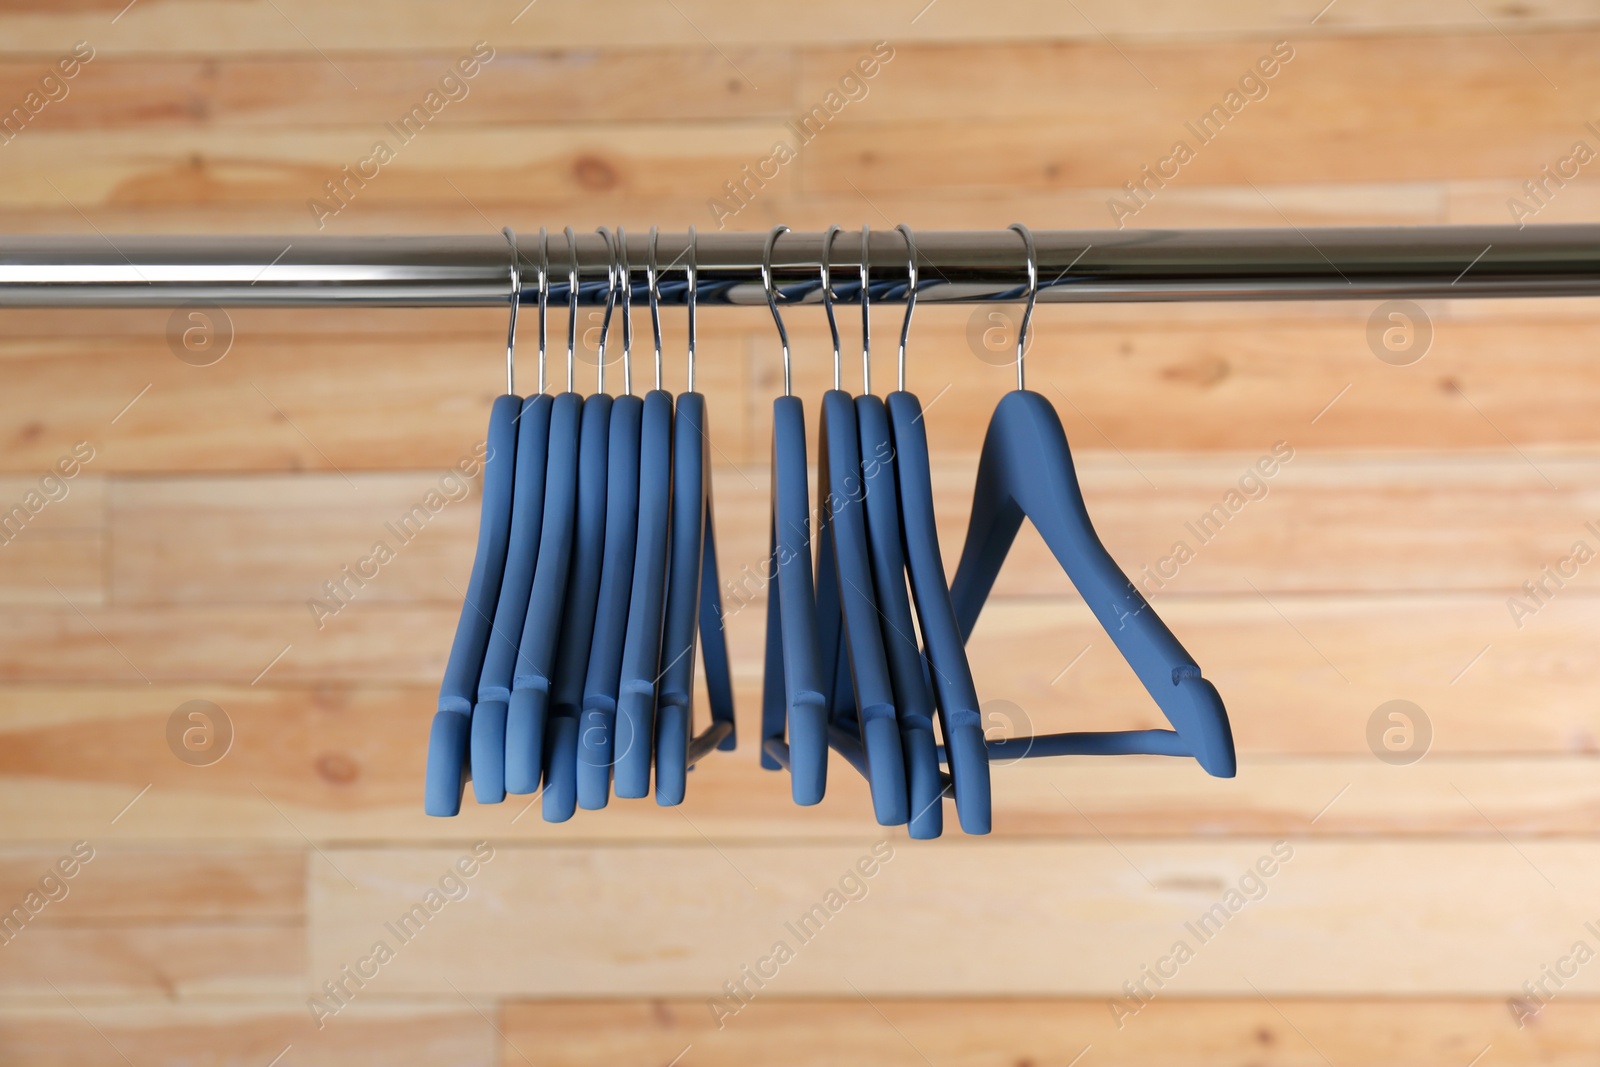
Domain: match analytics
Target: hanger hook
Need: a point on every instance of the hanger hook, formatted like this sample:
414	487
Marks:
625	277
911	296
694	285
572	305
544	302
516	299
827	299
1033	295
652	276
772	303
611	302
866	314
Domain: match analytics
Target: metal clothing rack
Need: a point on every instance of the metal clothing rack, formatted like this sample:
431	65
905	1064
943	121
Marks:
953	266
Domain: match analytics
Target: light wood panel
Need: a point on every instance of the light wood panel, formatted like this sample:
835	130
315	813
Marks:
336	763
1176	525
1421	896
212	26
347	404
854	1032
1088	114
300	91
182	1035
654	921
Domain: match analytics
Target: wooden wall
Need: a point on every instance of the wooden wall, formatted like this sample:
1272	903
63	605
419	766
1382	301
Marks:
1429	902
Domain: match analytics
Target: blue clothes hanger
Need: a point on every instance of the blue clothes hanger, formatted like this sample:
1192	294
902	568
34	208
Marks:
488	744
452	723
560	795
635	731
693	590
597	720
956	697
849	614
913	699
794	701
570	416
1026	471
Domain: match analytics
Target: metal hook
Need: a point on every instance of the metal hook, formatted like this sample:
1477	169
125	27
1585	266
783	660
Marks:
772	303
572	306
516	299
694	285
655	300
625	276
1033	295
827	299
544	301
866	314
911	296
611	302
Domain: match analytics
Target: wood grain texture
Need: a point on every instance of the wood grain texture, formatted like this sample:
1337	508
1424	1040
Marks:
342	403
1278	521
156	1034
852	1032
208	26
1381	563
685	920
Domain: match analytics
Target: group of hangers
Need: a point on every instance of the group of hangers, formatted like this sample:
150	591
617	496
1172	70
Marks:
572	668
843	667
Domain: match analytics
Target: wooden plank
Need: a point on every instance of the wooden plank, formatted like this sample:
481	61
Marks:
682	921
210	26
1206	1032
157	1034
308	91
290	538
1337	656
1315	204
112	887
1091	115
355	404
1175	523
897	135
106	923
343	764
238	960
52	531
551	166
277	405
